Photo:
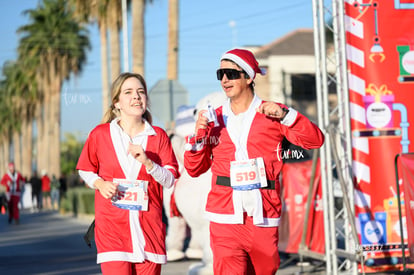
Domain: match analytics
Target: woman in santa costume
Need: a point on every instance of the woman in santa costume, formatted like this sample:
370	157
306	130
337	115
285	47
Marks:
13	181
241	142
129	162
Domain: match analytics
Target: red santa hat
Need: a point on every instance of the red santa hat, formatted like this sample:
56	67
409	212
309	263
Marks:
246	60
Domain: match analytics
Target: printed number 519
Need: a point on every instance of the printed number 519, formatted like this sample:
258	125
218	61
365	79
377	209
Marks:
245	176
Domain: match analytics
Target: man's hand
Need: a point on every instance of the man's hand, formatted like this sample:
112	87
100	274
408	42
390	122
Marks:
201	128
272	109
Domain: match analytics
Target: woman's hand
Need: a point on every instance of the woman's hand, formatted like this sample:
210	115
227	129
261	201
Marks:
107	189
138	153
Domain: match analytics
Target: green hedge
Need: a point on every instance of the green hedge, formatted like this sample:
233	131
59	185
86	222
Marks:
78	200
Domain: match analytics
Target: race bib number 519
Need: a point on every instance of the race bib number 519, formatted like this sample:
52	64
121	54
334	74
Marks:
248	174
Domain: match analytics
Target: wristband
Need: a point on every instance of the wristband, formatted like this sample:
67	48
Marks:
286	111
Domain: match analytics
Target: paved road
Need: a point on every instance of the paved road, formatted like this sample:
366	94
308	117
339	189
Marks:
45	243
48	243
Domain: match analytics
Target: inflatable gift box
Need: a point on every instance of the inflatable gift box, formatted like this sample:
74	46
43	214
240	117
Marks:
378	107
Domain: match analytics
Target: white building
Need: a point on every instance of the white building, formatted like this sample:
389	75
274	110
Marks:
290	65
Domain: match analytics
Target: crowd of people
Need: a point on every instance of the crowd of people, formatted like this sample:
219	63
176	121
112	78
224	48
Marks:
47	192
35	193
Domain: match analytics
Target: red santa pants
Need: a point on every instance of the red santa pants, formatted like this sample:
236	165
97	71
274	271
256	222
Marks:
13	206
244	249
127	268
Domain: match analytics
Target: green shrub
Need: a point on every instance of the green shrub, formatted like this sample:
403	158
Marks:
79	200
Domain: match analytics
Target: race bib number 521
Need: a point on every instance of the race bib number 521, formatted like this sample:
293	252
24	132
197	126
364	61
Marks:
131	195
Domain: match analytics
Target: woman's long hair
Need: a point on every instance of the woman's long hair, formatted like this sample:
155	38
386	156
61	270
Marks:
113	112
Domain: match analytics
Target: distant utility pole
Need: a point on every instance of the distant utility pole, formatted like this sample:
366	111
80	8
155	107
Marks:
125	35
172	63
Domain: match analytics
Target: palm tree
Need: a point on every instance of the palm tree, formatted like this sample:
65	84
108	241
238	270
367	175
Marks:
20	89
6	117
59	43
138	36
14	122
114	19
108	15
5	131
95	11
31	98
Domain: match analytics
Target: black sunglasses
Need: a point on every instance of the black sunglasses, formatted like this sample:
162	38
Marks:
230	73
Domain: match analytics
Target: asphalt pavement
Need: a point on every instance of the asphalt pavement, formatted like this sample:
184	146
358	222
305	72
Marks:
49	243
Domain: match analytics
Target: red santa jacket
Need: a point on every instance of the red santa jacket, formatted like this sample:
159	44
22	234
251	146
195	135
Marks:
264	137
119	233
45	183
13	183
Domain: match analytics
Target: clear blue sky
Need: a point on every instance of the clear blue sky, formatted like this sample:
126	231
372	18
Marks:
205	34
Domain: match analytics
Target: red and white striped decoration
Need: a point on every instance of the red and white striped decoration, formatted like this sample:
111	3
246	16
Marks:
360	145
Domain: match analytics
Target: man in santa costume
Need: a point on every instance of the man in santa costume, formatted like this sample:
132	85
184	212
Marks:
241	143
13	181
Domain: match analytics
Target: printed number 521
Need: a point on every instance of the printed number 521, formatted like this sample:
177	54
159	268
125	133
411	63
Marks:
131	196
